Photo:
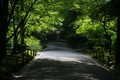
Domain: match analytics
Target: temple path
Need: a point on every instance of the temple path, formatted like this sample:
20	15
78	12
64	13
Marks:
60	62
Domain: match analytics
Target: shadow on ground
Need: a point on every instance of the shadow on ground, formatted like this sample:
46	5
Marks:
50	69
60	62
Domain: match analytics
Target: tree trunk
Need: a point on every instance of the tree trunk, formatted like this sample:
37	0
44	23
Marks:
110	50
3	27
15	40
117	57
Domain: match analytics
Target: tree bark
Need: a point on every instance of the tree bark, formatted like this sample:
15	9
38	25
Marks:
3	27
117	57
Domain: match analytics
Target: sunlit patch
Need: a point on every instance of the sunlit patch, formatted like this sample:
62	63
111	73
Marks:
69	59
89	76
90	63
57	58
16	76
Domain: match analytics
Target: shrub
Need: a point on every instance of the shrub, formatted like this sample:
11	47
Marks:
33	43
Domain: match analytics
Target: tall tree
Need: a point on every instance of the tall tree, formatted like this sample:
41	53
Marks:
3	27
112	9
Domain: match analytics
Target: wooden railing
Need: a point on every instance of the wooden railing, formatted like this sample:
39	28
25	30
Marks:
17	61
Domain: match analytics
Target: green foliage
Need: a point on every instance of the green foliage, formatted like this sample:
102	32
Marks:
43	16
33	43
84	17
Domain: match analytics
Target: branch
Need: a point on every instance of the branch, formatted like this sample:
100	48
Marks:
98	2
12	12
113	29
21	22
104	24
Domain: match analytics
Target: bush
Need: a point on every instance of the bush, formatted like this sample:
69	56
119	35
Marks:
75	40
20	48
34	43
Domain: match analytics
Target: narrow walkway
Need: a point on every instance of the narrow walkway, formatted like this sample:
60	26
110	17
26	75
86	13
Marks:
60	62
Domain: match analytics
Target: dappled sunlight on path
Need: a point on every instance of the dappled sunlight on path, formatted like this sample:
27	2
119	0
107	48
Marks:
60	62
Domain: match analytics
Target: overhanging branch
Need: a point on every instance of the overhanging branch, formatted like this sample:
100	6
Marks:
22	21
12	12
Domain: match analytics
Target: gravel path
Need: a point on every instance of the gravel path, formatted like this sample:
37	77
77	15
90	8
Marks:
60	62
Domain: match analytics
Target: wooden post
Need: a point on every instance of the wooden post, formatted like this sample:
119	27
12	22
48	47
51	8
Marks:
33	53
22	57
30	54
27	55
7	65
16	63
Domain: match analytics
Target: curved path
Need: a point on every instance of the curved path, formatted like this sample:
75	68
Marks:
60	62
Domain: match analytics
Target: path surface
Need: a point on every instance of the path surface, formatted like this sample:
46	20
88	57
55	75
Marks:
59	62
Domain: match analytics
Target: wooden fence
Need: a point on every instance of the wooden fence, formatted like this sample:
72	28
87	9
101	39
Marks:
17	61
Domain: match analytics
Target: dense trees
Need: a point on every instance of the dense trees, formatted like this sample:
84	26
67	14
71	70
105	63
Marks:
19	18
27	21
98	20
113	11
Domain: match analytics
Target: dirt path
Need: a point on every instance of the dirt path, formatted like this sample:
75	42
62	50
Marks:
59	62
